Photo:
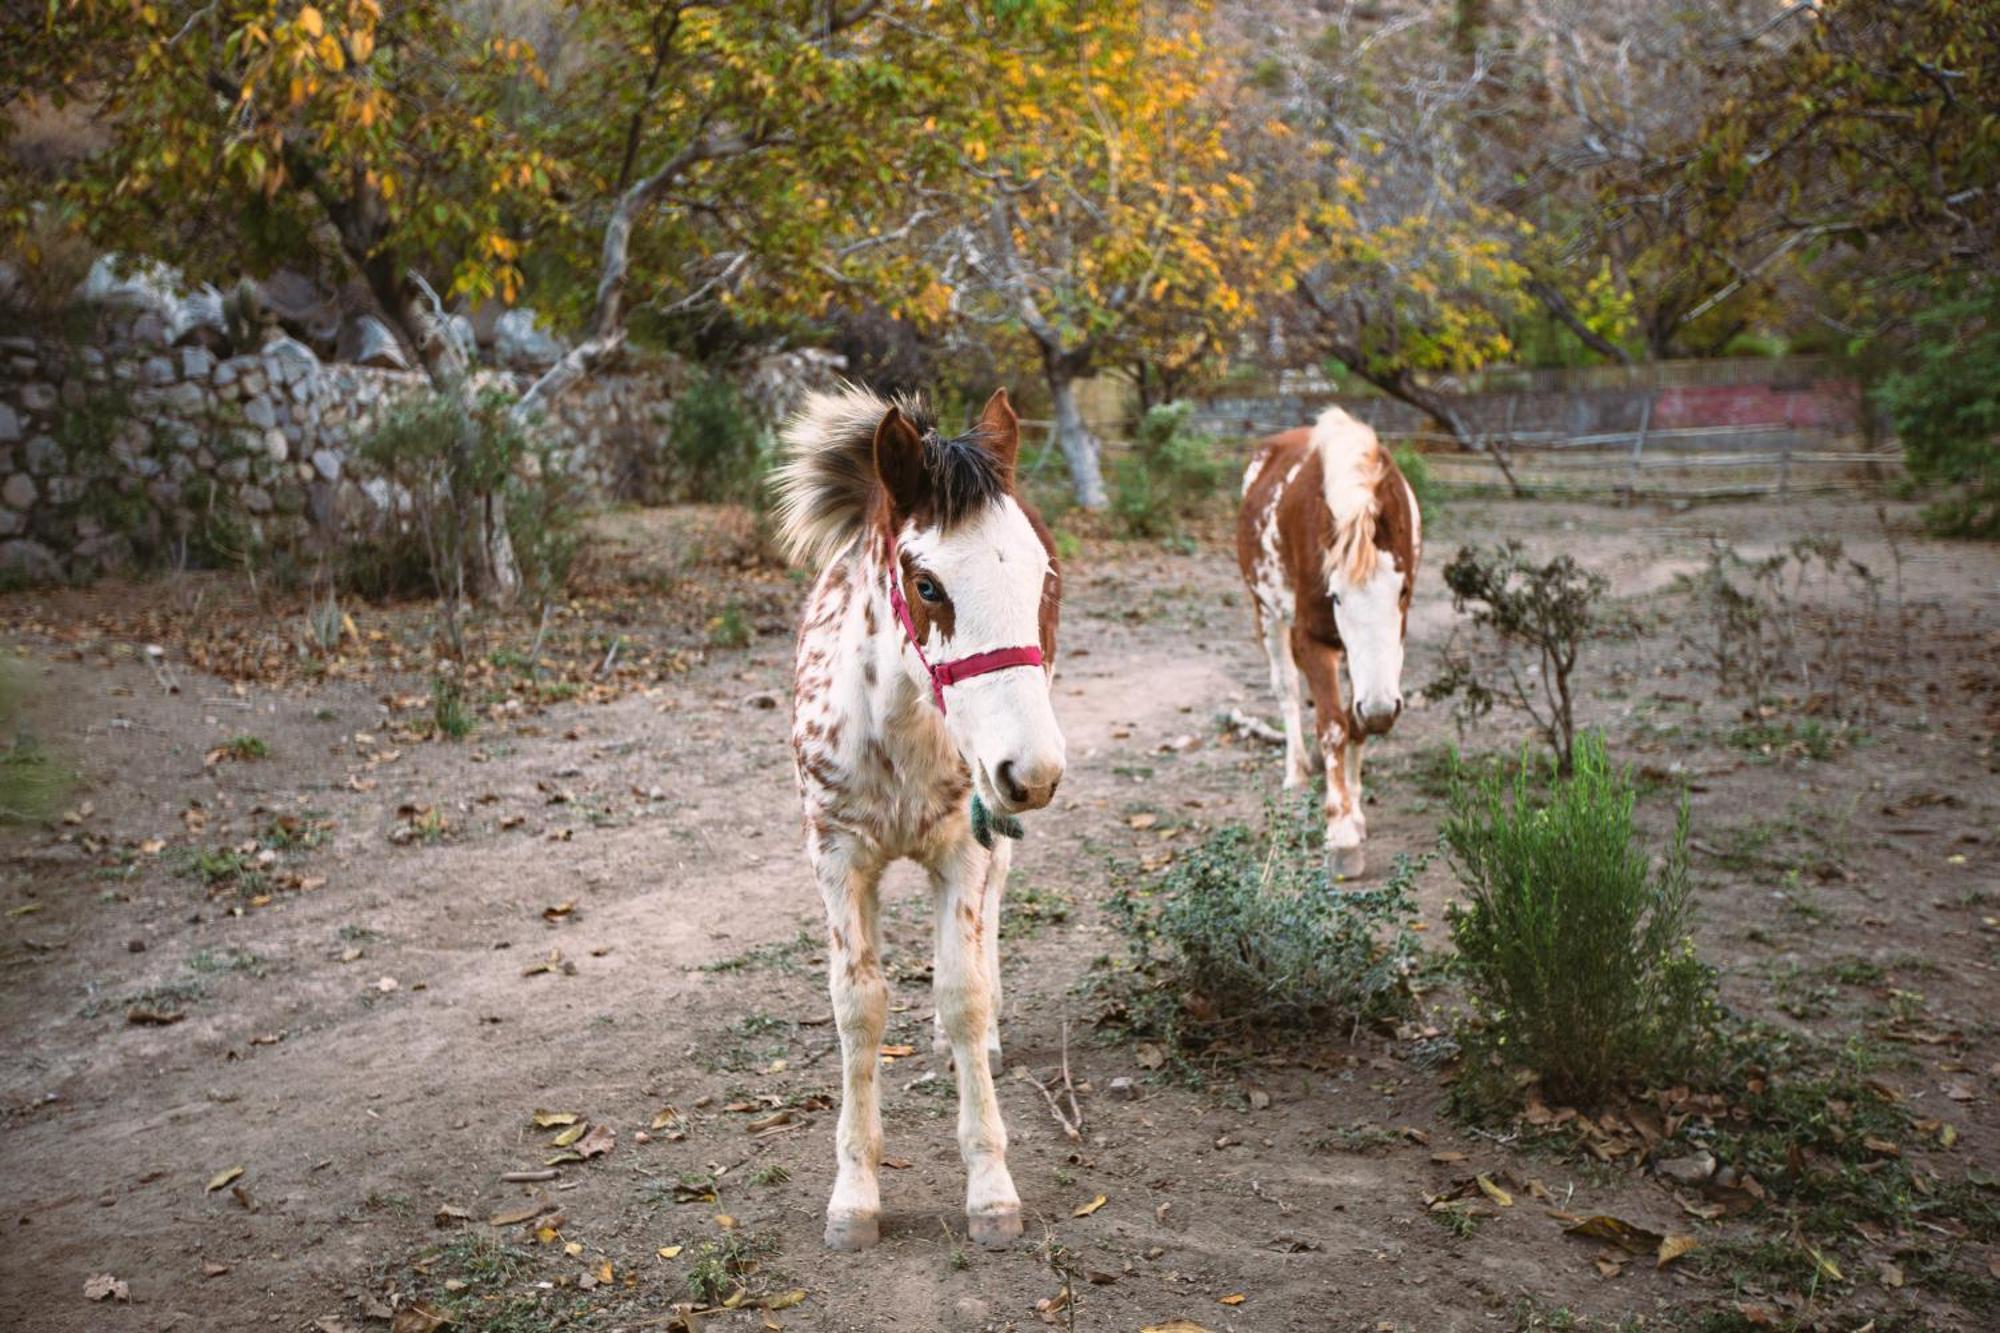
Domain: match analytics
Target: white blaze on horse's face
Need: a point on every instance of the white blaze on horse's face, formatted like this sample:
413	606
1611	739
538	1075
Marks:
993	568
1370	617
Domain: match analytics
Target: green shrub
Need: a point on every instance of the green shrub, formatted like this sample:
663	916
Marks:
451	716
717	449
1945	404
455	459
1411	463
1576	950
1242	932
1170	475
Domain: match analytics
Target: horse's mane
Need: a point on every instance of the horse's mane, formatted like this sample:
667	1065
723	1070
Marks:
1352	466
826	483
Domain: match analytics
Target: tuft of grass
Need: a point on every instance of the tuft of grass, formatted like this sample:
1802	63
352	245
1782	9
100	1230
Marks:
730	628
787	956
245	748
230	960
450	714
718	1270
1029	907
1576	951
772	1173
1243	933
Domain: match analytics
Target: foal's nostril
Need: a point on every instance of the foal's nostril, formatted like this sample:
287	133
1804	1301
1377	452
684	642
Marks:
1009	788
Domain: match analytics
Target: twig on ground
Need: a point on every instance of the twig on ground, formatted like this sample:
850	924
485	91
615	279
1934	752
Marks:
1254	729
1072	1119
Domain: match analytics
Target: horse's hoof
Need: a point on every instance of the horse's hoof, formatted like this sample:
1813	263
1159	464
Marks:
1345	864
996	1230
848	1231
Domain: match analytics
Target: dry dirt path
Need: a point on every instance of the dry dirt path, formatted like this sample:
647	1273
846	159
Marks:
370	1050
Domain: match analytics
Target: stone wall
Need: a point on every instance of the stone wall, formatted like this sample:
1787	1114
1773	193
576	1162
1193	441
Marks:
118	449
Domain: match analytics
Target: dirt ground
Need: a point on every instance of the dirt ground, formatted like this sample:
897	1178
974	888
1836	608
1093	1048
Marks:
356	967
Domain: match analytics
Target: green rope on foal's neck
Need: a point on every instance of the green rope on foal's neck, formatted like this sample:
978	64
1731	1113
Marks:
985	824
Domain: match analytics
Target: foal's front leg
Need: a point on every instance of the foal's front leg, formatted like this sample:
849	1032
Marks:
848	879
996	886
968	880
1346	826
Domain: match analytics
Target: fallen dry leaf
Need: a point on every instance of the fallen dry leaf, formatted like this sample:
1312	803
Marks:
1175	1326
222	1178
1149	1055
1086	1209
598	1142
104	1287
669	1251
1493	1191
420	1317
785	1300
577	1129
557	1119
1618	1231
520	1213
1673	1247
1234	1298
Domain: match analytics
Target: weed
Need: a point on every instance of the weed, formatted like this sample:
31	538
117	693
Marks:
1461	1222
245	748
1241	932
787	956
230	960
450	716
1544	613
730	628
1028	907
773	1173
1812	739
296	833
718	1270
1577	954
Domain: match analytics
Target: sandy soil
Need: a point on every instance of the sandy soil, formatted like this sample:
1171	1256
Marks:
360	1034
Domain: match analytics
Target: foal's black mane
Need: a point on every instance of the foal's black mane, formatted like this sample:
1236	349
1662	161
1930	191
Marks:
826	485
965	474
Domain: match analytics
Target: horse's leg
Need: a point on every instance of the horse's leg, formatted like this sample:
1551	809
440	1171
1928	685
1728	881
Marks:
1278	637
996	888
989	932
848	879
964	879
1345	824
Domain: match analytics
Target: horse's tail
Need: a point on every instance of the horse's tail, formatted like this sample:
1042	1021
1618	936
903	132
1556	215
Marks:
827	479
1352	466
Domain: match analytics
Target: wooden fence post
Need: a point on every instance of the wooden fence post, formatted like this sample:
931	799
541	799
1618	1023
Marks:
1638	448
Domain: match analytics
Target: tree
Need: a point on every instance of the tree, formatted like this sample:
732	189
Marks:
676	147
1111	223
1945	404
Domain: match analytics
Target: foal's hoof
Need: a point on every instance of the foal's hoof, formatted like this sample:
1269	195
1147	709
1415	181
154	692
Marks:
848	1232
1345	863
995	1230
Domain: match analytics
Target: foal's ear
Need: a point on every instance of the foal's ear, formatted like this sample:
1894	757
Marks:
1000	430
899	462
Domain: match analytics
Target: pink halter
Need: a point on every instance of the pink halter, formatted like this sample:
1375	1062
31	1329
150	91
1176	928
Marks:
963	668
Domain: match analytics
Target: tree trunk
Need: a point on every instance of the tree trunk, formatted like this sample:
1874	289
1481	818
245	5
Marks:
1079	447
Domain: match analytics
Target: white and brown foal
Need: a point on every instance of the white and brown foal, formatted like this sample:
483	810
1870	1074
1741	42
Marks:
924	664
1328	539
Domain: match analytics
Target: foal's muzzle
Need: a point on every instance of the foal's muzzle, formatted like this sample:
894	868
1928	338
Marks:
1375	717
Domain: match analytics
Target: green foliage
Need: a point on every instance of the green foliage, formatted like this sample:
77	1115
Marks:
1544	613
450	715
1416	470
730	628
1945	405
32	782
720	1269
716	449
457	461
1576	951
245	748
1171	474
1243	932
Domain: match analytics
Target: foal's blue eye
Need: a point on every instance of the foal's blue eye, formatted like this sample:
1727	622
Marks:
929	591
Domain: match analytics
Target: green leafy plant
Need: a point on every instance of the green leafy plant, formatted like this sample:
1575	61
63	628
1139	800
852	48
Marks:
32	782
716	448
1410	462
450	714
1170	475
1945	404
1536	618
1576	950
1241	932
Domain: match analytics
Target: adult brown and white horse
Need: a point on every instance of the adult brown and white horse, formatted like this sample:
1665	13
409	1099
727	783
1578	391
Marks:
1328	539
922	727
